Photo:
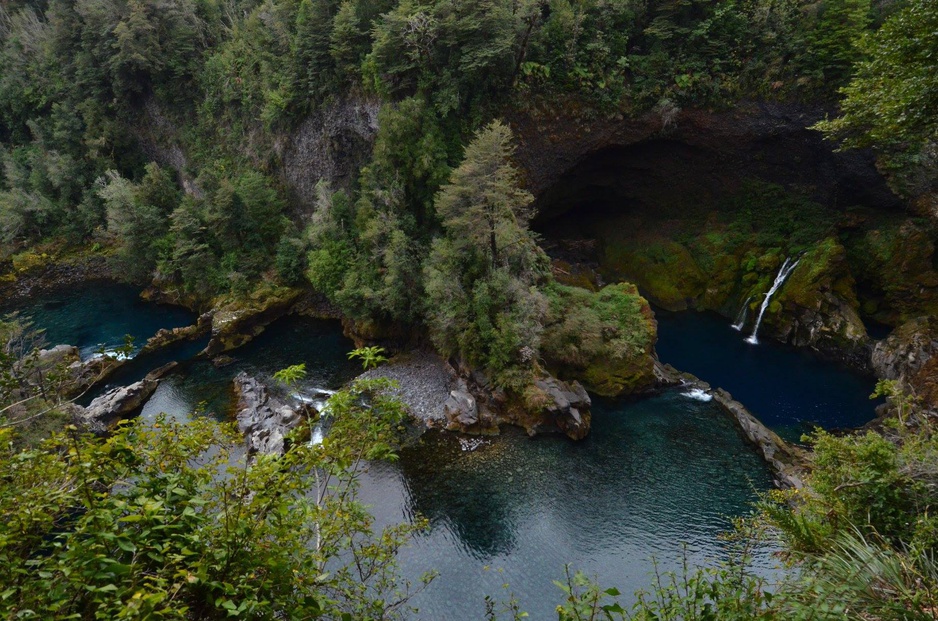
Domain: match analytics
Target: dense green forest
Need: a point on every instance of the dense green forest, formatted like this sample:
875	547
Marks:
149	132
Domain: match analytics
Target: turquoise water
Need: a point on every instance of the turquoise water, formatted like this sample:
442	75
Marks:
99	315
788	389
654	476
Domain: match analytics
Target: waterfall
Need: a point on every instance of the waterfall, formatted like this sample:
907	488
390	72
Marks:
741	317
316	436
787	268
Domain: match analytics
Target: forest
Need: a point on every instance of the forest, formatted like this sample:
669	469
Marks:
161	136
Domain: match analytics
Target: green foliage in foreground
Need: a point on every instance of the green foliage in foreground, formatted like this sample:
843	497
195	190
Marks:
164	520
371	357
290	375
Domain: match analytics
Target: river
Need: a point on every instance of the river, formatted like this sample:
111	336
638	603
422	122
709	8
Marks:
657	478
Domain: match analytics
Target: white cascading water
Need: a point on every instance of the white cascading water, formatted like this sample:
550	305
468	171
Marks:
741	317
316	437
787	268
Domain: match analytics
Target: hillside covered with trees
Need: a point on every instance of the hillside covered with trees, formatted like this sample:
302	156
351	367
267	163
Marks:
364	152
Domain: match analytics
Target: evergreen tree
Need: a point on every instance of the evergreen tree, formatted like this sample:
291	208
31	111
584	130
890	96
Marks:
482	275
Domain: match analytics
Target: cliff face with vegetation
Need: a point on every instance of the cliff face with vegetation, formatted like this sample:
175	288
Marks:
343	147
701	209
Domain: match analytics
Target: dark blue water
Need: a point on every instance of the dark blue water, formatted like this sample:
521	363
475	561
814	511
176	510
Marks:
98	316
788	389
653	476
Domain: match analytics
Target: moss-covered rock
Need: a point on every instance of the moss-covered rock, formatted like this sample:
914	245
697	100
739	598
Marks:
663	270
604	339
238	320
908	355
575	275
166	337
817	306
894	263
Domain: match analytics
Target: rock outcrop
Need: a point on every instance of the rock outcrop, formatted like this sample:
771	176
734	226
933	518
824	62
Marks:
908	356
699	150
565	407
788	463
116	404
58	355
166	337
604	339
53	275
329	145
239	321
461	409
817	307
265	420
85	374
548	406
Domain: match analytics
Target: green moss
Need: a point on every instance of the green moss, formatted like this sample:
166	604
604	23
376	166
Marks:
774	216
573	275
237	320
604	339
664	270
894	264
29	261
823	268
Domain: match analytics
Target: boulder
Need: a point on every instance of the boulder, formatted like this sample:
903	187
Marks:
60	354
567	407
264	420
116	404
85	374
461	408
49	360
166	337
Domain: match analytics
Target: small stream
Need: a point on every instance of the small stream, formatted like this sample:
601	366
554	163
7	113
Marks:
656	476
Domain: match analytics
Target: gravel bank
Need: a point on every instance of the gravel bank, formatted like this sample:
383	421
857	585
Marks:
425	382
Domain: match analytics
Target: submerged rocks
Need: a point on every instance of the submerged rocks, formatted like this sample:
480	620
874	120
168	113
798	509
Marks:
264	420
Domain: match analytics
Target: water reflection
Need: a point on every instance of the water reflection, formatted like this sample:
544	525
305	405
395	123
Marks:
653	476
